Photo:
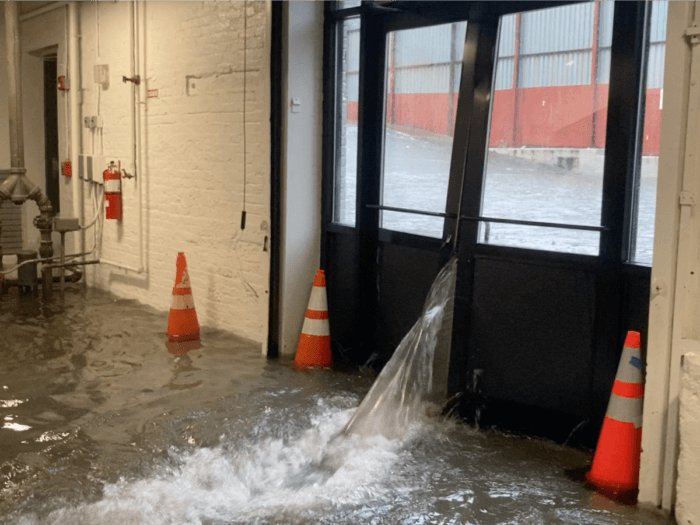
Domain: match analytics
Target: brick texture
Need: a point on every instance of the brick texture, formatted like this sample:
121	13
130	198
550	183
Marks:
193	155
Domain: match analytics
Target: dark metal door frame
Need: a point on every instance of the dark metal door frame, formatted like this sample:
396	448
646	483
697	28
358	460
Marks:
51	160
470	144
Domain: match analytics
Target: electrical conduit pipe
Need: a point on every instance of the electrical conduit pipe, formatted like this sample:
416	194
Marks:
75	128
137	38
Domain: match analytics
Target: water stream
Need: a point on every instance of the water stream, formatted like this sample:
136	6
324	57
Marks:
101	425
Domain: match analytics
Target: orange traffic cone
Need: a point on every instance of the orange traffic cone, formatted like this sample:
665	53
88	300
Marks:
615	468
183	328
314	348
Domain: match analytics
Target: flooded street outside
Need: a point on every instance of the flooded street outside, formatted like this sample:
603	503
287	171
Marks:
416	172
101	425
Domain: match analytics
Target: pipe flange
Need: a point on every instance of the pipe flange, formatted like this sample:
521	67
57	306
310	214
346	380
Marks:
18	171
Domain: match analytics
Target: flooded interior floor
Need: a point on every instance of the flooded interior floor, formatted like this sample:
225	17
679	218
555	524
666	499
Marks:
101	425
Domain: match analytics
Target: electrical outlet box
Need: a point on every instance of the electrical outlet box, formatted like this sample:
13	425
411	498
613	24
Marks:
88	122
96	121
101	72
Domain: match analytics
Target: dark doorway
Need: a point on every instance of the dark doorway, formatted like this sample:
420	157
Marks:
51	132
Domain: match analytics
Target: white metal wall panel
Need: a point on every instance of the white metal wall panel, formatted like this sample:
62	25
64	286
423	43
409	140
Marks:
504	73
555	46
655	71
426	45
657	47
659	18
460	37
557	29
605	23
603	67
506	38
559	69
422	58
351	62
11	217
435	79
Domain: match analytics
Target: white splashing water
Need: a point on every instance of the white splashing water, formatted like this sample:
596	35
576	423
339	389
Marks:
404	388
341	461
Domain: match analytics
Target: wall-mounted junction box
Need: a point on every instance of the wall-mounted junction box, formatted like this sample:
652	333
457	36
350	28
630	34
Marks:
101	72
92	122
91	168
66	224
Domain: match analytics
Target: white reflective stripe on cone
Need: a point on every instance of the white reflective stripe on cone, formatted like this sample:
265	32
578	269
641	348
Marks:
318	300
630	367
182	302
185	281
316	327
626	409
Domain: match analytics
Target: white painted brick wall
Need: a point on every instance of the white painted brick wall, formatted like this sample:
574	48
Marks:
687	503
193	155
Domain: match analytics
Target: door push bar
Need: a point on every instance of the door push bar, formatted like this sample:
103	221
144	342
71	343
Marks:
491	219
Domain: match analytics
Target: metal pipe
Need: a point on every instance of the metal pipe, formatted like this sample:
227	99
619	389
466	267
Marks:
74	277
63	260
14	93
75	128
72	264
49	260
140	107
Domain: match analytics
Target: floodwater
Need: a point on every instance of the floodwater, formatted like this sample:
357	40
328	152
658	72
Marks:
416	174
101	425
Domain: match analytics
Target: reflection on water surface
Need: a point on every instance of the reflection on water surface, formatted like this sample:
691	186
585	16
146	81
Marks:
102	425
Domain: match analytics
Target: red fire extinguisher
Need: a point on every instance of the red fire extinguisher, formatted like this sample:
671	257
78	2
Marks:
113	192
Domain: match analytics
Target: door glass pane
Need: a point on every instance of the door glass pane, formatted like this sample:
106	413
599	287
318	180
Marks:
547	134
643	233
423	71
347	94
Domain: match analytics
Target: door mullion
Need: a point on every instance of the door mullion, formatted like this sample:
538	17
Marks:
369	161
464	194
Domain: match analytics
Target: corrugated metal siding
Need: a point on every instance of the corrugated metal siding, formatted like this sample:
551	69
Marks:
506	40
555	46
605	23
659	16
431	79
351	62
504	73
460	37
11	217
422	58
655	71
426	45
657	47
557	29
602	74
458	76
560	69
605	31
